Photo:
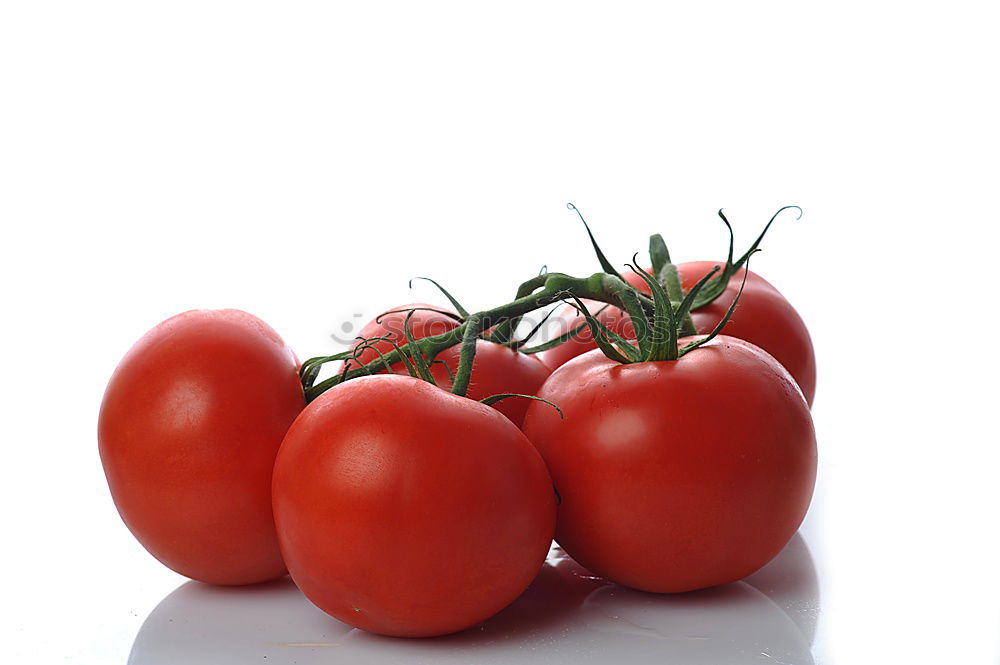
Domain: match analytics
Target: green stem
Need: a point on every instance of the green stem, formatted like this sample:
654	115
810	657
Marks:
466	356
666	274
672	281
504	332
657	321
554	288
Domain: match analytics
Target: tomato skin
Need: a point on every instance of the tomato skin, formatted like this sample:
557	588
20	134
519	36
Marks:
763	317
496	369
405	510
189	427
677	475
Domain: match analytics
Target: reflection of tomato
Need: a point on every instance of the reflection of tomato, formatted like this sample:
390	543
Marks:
207	625
676	475
790	581
763	317
405	510
731	624
565	610
496	369
190	425
553	596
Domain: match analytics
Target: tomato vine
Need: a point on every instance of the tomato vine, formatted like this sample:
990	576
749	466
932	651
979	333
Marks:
659	319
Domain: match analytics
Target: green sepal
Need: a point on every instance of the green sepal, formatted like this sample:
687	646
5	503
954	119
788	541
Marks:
601	258
458	307
685	307
715	288
493	399
606	338
659	255
637	315
664	342
725	319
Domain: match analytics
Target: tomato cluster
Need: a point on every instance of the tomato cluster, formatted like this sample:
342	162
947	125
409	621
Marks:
405	497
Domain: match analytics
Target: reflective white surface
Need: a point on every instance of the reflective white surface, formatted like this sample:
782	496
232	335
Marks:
566	615
303	160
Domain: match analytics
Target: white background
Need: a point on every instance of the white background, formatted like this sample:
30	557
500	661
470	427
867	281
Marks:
302	161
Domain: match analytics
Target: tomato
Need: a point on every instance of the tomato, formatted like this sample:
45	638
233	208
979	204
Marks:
189	428
405	510
763	317
677	475
496	368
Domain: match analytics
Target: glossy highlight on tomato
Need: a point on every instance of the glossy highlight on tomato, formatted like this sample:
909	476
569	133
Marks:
677	475
405	510
189	427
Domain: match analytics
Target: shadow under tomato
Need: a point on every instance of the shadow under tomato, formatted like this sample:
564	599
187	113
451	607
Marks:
566	614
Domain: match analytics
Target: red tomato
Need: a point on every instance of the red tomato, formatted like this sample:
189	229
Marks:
189	428
405	510
677	475
763	317
496	368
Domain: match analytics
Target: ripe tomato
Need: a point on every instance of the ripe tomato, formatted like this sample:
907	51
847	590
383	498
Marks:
763	317
677	475
496	368
405	510
189	428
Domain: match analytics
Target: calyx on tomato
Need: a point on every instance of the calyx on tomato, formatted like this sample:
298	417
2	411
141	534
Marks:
765	318
666	274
